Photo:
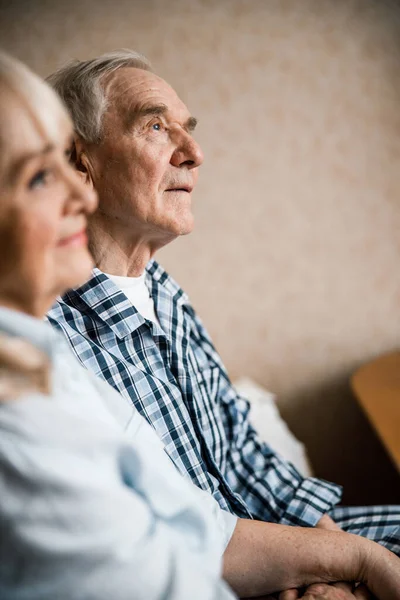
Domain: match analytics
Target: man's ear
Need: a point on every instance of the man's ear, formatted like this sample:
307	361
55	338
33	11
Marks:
80	159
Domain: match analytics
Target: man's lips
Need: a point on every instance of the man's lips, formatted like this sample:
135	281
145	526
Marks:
76	239
183	188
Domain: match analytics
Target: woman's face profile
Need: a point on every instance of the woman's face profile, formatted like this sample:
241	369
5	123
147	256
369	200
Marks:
43	207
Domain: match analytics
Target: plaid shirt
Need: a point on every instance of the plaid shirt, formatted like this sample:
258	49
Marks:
174	376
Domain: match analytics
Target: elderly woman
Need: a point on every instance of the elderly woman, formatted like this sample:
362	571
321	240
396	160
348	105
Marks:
90	505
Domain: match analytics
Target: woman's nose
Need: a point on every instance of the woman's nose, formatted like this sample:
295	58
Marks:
82	191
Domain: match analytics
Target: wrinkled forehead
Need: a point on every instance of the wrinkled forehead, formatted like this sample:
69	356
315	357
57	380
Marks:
129	89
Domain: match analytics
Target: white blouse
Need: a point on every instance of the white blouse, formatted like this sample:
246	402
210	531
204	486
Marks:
91	507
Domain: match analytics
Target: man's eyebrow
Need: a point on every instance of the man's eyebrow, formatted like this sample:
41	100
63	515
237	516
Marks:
153	109
157	109
144	111
191	123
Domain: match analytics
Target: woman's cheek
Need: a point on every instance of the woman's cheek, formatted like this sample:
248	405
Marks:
38	240
42	229
11	238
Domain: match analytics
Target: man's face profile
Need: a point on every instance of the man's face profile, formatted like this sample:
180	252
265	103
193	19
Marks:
146	165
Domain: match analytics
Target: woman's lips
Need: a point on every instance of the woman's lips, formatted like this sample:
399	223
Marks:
77	239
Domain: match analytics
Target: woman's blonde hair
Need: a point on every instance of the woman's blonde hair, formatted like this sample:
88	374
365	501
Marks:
19	83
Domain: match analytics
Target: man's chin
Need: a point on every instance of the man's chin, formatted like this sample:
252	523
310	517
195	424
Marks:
188	226
183	224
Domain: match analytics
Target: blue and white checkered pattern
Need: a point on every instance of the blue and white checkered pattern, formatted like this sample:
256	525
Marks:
378	523
175	378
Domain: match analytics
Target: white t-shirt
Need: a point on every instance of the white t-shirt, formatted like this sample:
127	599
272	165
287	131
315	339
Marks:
136	291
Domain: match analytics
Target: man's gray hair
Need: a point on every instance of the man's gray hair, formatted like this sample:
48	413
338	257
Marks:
79	85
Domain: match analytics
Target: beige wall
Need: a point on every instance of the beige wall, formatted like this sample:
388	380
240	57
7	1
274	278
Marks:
294	264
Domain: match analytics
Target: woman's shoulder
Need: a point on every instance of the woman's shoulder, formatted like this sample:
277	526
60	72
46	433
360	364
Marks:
24	369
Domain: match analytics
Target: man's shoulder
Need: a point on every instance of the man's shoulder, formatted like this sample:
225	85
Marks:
74	296
75	311
96	295
99	286
99	303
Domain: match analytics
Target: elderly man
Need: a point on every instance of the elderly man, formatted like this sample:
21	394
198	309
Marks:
132	324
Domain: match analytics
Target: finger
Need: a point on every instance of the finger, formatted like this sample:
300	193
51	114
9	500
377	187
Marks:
363	593
262	598
318	588
345	586
292	594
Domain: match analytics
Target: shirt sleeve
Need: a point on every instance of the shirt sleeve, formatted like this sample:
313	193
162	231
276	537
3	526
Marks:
71	528
271	487
224	520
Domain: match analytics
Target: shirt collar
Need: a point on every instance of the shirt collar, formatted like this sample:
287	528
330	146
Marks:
108	302
112	306
35	331
156	274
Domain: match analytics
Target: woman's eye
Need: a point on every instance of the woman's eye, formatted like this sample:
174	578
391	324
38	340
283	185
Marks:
68	153
39	179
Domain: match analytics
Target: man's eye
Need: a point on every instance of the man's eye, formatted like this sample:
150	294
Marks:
156	126
39	179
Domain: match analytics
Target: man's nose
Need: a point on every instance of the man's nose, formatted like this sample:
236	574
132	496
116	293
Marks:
187	153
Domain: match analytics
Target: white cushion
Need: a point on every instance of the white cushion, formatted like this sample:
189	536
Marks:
265	418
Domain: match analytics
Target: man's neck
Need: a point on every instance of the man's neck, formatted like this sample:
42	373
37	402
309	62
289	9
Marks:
111	258
118	256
